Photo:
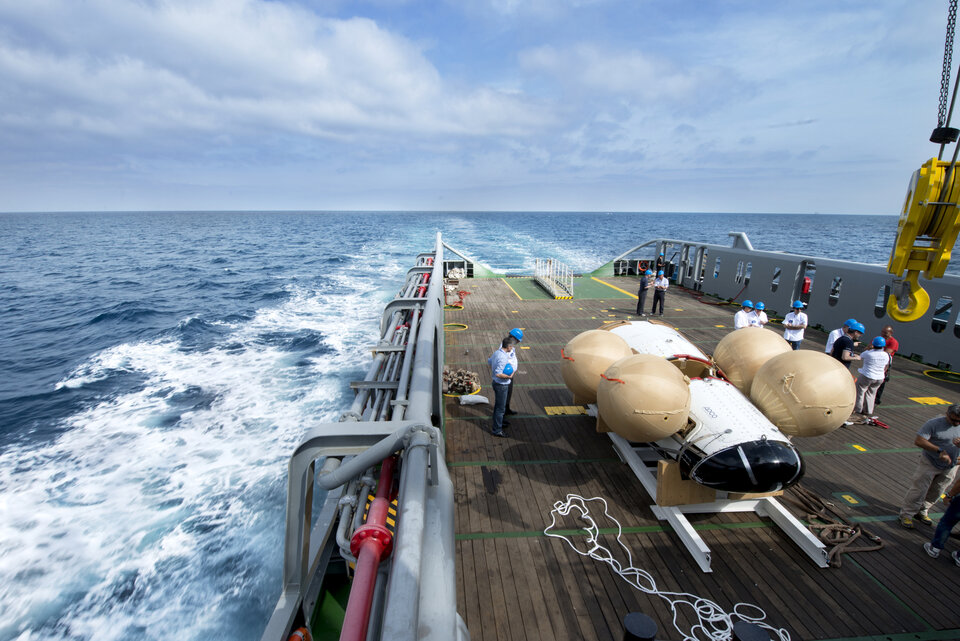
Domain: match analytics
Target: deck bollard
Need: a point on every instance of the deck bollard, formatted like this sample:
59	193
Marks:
639	627
745	631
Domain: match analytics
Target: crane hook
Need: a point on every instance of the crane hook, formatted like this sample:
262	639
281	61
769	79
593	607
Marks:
918	301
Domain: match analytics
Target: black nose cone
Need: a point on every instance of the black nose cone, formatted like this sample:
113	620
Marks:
755	466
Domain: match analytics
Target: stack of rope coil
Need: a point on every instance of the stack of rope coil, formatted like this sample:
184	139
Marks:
830	527
459	382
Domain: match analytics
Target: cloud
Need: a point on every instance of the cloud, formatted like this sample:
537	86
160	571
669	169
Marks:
229	67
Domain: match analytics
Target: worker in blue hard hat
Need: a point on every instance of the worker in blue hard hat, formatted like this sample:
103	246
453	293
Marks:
872	372
742	318
793	325
759	317
843	346
501	370
646	282
517	335
660	285
837	333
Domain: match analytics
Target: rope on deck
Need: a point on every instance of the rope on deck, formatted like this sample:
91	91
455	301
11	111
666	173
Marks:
712	622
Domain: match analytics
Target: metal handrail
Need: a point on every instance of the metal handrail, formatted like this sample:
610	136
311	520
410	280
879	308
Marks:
405	376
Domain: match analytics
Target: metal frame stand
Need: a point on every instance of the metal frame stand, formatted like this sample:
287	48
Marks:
637	457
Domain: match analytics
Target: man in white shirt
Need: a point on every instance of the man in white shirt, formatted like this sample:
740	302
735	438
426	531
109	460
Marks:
659	292
794	324
837	333
759	317
742	318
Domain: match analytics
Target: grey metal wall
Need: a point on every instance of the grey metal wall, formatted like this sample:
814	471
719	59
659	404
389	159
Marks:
695	266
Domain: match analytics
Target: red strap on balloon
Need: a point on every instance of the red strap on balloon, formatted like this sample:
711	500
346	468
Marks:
562	355
613	380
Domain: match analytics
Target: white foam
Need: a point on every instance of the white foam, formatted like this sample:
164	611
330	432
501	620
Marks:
119	523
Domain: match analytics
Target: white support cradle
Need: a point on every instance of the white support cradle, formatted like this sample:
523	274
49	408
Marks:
675	515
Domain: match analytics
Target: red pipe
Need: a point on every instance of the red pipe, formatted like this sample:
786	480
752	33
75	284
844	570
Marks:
371	543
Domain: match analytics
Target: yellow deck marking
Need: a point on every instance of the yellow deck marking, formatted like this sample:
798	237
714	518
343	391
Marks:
564	410
929	400
524	347
611	314
678	309
849	499
623	291
859	447
511	288
719	325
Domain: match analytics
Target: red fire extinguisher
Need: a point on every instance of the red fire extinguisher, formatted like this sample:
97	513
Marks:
806	285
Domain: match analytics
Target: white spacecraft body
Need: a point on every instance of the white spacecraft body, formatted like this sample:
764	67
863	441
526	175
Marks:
729	444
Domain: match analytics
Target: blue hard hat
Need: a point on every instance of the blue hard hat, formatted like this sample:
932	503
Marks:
660	273
747	303
850	322
517	333
879	341
858	327
760	306
508	369
648	273
798	304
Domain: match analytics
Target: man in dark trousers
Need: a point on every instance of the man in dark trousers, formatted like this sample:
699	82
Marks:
660	285
892	346
516	337
645	282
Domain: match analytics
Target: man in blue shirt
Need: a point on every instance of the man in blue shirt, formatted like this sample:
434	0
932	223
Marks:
502	374
939	440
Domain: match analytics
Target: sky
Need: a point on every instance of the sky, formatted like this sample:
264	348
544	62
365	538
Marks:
534	105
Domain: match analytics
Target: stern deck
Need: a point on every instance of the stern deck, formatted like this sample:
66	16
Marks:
515	583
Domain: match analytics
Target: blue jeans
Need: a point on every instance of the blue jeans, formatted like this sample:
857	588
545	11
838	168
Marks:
499	405
947	521
794	344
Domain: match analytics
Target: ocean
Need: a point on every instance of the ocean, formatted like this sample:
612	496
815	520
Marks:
157	369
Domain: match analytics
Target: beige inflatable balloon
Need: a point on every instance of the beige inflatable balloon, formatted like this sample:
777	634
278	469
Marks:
586	357
742	352
644	398
804	393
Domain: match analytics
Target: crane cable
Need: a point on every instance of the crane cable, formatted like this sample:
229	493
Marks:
943	117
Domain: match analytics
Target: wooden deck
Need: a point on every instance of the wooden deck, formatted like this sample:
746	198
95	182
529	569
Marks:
516	583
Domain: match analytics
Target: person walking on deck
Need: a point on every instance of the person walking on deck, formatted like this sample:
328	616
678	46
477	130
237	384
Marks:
660	285
875	364
516	335
892	346
646	281
794	323
946	524
939	442
502	374
742	318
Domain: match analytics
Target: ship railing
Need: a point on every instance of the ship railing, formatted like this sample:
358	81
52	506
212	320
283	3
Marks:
554	276
394	411
832	290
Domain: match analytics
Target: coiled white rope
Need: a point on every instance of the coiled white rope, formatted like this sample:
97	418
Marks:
712	622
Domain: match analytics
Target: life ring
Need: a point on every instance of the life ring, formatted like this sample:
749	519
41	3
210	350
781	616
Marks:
300	634
642	266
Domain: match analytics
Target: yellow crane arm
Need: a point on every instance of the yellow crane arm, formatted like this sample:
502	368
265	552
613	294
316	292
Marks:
926	233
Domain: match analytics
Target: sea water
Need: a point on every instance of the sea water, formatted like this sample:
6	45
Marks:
157	369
